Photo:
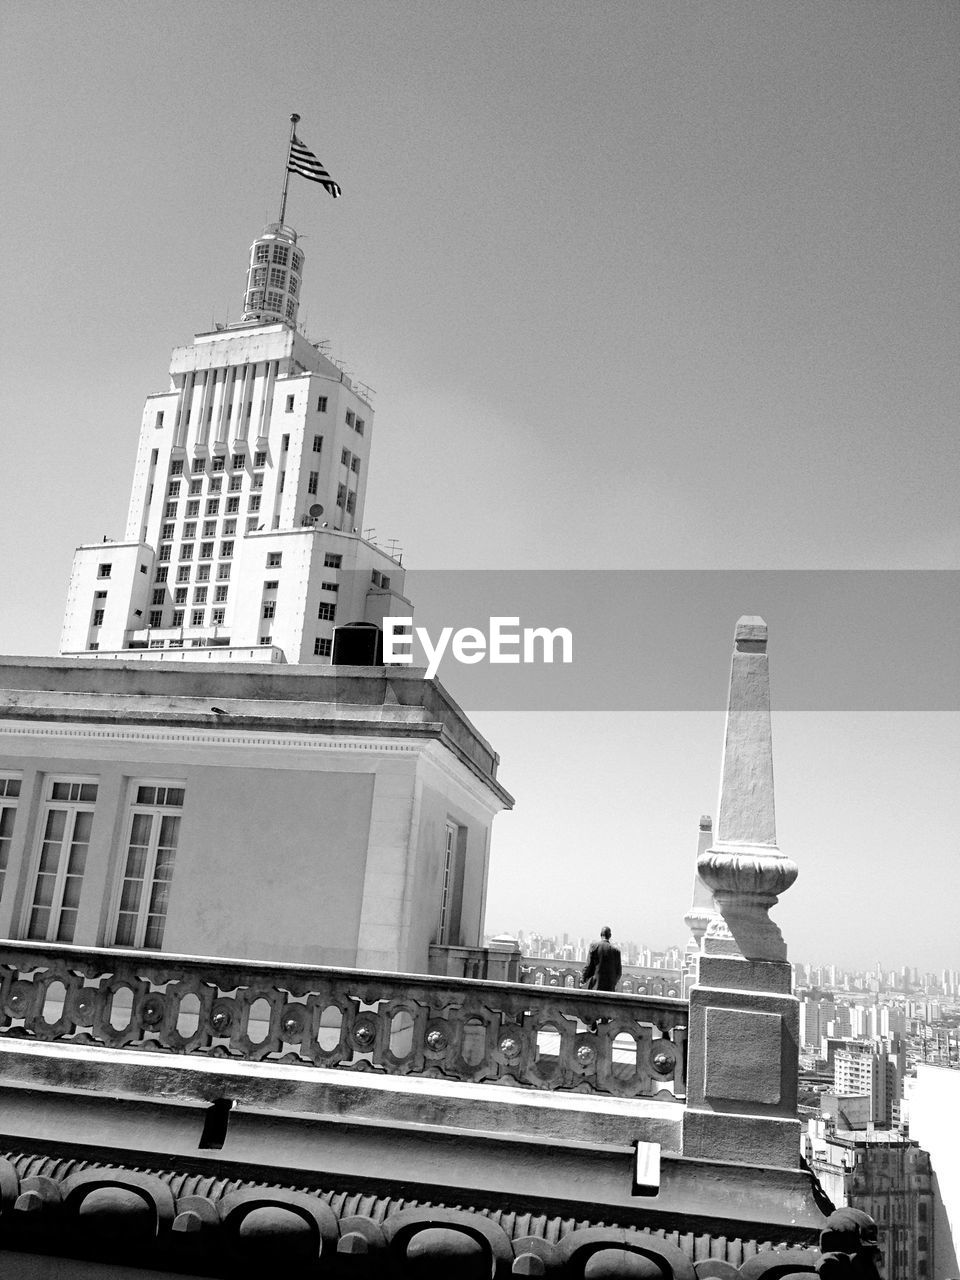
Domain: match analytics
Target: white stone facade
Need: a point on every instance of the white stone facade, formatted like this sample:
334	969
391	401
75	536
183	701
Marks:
246	513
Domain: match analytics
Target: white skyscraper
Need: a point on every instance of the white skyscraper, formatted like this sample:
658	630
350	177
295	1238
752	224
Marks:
244	532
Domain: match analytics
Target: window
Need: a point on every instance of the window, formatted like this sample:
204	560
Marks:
266	639
203	573
164	552
341	494
103	570
186	551
98	615
213	506
271	584
233	506
284	443
9	792
199	595
329	586
262	253
183	573
93	646
167	530
283	476
217	617
290	309
155	618
65	824
359	426
322	648
156	644
99	595
269	609
237	460
229	527
214	484
199	466
170	511
154	833
160	575
173	489
254	502
289	404
176	467
159	596
206	550
226	549
260	459
190	529
330	561
297	261
217	464
196	617
236	484
196	486
209	528
258	277
313	481
446	887
327	612
177	619
193	509
274	559
180	595
385	582
292	287
345	456
221	594
223	572
143	568
321	406
274	300
355	465
256	480
281	254
351	502
253	524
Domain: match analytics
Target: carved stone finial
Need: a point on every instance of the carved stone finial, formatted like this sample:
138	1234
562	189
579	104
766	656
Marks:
703	909
743	867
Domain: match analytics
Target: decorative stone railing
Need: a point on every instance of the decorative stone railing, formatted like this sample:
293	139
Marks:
398	1024
635	981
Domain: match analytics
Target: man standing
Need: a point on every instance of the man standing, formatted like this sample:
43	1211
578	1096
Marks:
603	966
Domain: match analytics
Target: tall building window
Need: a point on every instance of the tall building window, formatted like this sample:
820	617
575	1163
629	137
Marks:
183	573
226	549
329	586
446	884
289	405
217	464
98	615
274	300
196	486
218	617
256	480
223	572
180	595
209	528
327	612
321	405
262	253
167	530
330	561
351	417
322	648
221	594
236	484
186	551
355	465
359	426
170	511
193	509
318	444
269	609
155	618
173	489
341	494
190	529
65	826
164	552
161	574
260	458
203	573
229	528
199	466
158	596
177	620
237	460
206	550
199	595
351	502
215	484
233	506
104	570
274	559
9	794
281	254
196	617
313	481
154	833
345	457
254	502
176	467
213	506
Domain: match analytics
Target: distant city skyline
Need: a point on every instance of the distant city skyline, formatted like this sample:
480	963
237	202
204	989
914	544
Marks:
638	287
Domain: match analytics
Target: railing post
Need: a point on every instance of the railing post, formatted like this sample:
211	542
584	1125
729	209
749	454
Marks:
743	1047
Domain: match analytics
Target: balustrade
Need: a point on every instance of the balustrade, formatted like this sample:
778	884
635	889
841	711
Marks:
399	1024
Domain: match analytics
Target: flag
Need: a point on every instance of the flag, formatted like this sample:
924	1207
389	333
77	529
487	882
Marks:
302	160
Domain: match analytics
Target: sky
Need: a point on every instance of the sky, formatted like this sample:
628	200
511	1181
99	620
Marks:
638	286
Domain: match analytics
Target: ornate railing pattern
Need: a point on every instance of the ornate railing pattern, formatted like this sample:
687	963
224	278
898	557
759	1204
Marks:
635	981
400	1024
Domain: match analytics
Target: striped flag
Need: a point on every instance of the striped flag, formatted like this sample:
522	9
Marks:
302	160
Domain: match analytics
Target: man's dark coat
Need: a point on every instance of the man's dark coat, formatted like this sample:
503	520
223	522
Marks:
603	966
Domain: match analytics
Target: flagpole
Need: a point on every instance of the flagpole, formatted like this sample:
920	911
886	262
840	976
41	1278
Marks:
294	121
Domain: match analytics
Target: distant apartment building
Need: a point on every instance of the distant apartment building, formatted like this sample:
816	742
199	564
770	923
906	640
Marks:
889	1177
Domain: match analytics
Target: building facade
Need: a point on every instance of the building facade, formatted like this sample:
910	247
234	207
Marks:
245	523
